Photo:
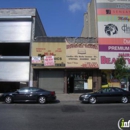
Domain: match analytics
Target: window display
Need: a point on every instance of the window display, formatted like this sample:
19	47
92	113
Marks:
77	81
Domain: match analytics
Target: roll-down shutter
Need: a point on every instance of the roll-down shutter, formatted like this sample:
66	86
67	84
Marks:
52	80
14	69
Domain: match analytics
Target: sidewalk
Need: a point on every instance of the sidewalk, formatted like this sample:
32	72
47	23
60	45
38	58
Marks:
68	97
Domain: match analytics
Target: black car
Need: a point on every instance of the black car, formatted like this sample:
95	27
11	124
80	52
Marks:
29	94
110	94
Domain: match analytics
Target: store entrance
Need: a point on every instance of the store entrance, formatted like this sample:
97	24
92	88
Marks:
77	82
70	84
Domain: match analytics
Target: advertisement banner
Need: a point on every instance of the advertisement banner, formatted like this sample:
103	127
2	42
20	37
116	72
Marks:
107	59
112	1
113	12
113	5
114	41
113	18
81	54
49	61
44	49
114	48
113	30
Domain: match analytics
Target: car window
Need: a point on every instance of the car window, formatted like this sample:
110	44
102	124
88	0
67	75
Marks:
99	91
106	90
113	90
33	89
23	90
118	89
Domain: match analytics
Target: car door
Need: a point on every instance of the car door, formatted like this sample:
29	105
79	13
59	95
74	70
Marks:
21	94
33	94
112	95
104	95
117	94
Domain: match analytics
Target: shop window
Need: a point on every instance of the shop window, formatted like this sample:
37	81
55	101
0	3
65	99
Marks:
77	81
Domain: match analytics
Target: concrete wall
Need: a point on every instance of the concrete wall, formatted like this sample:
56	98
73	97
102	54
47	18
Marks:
39	29
85	31
90	24
17	12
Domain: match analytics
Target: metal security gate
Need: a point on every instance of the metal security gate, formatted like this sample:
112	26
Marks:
15	31
14	69
52	80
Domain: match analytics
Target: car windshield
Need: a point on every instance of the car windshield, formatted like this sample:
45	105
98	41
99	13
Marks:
25	89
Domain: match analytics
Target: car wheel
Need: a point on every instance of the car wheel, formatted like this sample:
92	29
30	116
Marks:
8	99
42	100
92	100
124	99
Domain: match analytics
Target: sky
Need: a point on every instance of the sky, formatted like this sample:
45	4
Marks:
59	17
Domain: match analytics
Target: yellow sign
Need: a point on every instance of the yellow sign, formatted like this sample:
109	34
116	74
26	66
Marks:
56	49
81	55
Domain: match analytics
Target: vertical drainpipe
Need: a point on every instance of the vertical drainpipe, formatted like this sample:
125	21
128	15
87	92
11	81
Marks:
30	49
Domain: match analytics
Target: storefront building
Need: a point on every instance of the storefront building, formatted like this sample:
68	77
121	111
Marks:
66	65
108	21
29	58
18	27
113	38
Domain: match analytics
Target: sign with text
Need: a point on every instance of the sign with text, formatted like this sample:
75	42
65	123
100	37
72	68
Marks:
107	59
114	48
49	61
55	49
81	55
36	59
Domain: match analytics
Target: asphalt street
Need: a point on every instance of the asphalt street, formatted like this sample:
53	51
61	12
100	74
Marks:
62	116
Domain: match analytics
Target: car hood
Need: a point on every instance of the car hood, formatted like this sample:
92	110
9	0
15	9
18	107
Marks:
9	93
89	93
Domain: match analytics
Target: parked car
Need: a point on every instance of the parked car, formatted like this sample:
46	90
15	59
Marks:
110	94
29	94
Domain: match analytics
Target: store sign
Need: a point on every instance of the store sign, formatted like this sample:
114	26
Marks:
113	5
113	11
43	49
36	59
107	59
49	61
81	54
114	30
111	18
114	48
114	41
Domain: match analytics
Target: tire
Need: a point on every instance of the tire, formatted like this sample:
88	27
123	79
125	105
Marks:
92	100
124	99
42	100
8	99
